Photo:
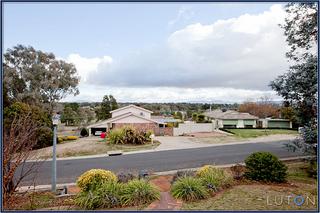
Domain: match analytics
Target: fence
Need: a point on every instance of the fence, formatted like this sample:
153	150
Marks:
192	128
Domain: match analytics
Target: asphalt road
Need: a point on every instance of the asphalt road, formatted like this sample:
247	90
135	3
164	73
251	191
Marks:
69	170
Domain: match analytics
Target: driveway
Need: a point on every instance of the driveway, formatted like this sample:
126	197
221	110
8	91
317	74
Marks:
177	142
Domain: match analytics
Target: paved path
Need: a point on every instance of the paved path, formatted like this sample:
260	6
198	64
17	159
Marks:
69	170
166	202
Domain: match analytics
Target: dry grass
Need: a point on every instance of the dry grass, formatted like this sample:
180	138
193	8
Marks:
88	146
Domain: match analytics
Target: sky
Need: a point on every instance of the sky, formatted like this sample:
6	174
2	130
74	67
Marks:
158	52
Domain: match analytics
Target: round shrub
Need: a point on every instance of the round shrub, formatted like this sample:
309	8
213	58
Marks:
72	137
189	189
94	178
264	166
139	192
84	132
213	178
108	195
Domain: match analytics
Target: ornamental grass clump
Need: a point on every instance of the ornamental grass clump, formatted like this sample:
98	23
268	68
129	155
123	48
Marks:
94	178
214	178
189	189
139	192
108	195
264	166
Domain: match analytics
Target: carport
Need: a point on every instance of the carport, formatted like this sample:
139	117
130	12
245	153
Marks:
93	130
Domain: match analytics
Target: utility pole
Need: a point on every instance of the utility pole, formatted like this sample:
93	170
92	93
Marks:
55	121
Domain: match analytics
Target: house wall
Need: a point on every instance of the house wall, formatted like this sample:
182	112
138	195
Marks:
279	124
187	128
134	111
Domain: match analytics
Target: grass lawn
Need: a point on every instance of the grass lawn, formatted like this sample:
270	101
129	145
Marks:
253	133
258	196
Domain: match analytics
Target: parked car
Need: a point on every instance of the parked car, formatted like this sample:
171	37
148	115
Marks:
97	133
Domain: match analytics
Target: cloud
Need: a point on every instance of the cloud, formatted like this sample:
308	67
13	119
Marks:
169	94
228	60
184	13
246	52
88	66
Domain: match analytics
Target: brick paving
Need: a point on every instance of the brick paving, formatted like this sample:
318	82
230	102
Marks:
166	202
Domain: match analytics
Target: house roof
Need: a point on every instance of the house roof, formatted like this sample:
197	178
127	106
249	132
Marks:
110	120
229	114
164	119
131	105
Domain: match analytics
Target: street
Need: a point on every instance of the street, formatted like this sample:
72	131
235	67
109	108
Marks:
69	170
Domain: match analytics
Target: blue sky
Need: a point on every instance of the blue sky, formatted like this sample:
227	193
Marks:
123	34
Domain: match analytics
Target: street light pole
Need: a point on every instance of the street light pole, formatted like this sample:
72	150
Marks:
55	121
54	160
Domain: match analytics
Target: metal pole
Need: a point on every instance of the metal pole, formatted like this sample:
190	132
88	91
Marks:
54	162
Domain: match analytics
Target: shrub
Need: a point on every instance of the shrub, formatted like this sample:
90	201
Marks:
125	177
94	178
213	177
263	166
189	189
44	137
88	200
128	135
84	132
70	138
238	171
138	192
184	173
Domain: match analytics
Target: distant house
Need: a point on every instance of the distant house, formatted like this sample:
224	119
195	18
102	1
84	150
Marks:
130	115
231	119
275	123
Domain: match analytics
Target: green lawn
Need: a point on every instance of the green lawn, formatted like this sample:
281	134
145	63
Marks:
256	196
253	133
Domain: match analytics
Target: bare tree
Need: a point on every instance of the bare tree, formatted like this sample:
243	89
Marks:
19	138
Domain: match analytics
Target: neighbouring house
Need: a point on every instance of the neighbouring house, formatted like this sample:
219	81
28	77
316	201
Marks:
275	123
131	115
168	120
231	119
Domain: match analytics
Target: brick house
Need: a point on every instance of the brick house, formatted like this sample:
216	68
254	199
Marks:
134	116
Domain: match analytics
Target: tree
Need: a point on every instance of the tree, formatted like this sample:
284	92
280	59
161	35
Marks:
299	85
35	114
69	116
261	109
36	77
108	104
19	138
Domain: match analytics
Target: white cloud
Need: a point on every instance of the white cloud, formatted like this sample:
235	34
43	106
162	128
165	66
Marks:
88	66
169	94
231	60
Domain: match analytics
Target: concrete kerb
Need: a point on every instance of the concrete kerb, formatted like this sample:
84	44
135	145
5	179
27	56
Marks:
151	150
171	172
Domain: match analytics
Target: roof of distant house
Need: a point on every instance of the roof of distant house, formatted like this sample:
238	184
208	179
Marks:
229	114
131	105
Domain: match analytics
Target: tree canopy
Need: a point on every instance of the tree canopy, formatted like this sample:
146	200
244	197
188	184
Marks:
36	77
299	85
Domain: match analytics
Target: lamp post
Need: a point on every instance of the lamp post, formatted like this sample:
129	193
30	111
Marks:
55	121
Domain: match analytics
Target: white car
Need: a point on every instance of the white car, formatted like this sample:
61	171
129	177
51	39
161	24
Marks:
97	133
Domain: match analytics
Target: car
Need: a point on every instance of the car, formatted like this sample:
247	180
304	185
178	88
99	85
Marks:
97	133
